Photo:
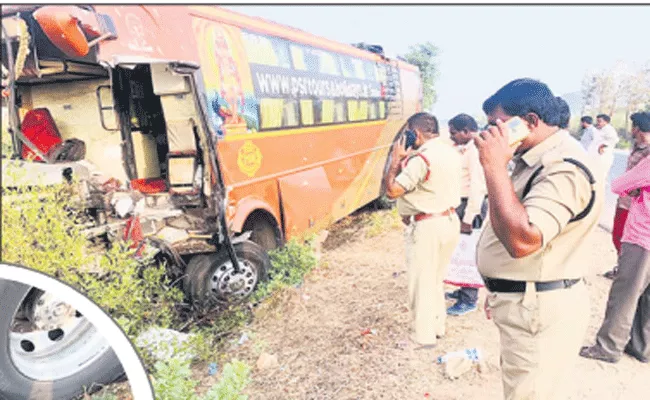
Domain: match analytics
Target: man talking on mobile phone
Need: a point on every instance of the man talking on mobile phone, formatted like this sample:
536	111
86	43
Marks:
425	180
528	254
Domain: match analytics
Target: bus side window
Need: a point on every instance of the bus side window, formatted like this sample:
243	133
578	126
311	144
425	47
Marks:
372	110
339	111
358	69
357	110
278	113
290	117
298	57
307	112
325	111
266	51
370	70
346	66
328	64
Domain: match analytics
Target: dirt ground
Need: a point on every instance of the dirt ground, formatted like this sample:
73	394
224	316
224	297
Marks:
316	331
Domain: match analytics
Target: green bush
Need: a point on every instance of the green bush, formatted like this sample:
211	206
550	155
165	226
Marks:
7	148
173	381
41	230
289	265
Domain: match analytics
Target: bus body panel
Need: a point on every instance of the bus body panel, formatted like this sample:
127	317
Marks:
306	175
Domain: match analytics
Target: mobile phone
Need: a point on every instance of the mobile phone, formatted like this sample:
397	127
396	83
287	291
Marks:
518	131
410	139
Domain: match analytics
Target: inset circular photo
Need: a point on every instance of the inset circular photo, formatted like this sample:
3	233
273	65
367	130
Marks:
59	344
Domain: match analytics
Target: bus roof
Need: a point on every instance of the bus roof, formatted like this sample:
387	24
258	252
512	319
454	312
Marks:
168	35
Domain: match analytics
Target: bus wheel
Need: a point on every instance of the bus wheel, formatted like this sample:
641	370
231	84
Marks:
263	231
210	279
52	351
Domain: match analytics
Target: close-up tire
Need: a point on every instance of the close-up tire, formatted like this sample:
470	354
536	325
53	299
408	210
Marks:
52	351
210	279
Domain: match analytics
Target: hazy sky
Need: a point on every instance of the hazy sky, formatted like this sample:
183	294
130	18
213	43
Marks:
484	47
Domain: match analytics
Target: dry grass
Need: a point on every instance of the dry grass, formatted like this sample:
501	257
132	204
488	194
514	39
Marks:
319	331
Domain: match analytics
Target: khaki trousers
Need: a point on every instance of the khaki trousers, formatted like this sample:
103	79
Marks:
430	244
541	336
627	319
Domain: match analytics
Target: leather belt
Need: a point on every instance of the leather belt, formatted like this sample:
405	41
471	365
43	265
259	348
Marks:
422	216
507	286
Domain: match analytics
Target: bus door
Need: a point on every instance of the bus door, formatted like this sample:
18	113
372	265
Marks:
162	131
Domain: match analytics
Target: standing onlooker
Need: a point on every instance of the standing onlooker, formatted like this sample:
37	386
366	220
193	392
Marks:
529	251
462	129
427	189
640	149
602	147
626	327
586	122
564	113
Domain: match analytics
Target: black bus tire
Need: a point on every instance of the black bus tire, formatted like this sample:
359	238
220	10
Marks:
16	386
201	270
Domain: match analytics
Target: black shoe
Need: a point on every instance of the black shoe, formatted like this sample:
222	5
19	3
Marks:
634	354
455	295
611	274
597	353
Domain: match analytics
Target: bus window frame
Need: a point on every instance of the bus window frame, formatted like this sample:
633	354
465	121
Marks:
338	58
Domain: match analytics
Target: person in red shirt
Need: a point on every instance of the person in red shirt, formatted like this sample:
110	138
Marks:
626	328
640	150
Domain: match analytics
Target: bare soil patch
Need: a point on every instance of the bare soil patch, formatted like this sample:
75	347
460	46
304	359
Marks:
344	333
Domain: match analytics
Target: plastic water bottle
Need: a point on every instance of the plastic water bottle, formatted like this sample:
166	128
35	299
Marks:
472	354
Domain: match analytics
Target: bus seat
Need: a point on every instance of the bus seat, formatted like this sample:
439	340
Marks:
182	160
39	127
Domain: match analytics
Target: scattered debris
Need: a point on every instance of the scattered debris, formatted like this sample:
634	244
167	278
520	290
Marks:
368	331
173	235
243	339
213	368
164	344
459	362
456	367
267	361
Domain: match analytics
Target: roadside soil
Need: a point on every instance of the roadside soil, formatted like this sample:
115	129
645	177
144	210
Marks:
344	333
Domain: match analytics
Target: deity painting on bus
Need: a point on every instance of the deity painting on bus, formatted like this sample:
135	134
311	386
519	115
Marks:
231	103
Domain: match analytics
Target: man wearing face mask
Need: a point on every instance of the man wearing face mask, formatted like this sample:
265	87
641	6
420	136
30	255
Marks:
427	189
462	129
529	252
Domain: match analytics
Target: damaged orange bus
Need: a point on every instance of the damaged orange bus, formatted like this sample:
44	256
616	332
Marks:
217	134
210	135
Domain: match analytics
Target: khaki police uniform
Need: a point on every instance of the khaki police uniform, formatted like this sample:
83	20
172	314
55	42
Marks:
431	178
542	330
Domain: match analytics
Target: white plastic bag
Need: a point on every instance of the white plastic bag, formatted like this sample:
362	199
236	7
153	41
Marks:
462	270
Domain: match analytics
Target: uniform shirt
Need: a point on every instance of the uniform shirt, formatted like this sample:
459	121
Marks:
637	225
559	192
438	193
638	153
472	181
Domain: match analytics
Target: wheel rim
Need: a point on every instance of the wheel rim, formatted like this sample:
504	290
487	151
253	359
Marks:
58	343
228	285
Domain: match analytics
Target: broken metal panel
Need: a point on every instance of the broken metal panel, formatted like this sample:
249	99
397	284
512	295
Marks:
165	82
